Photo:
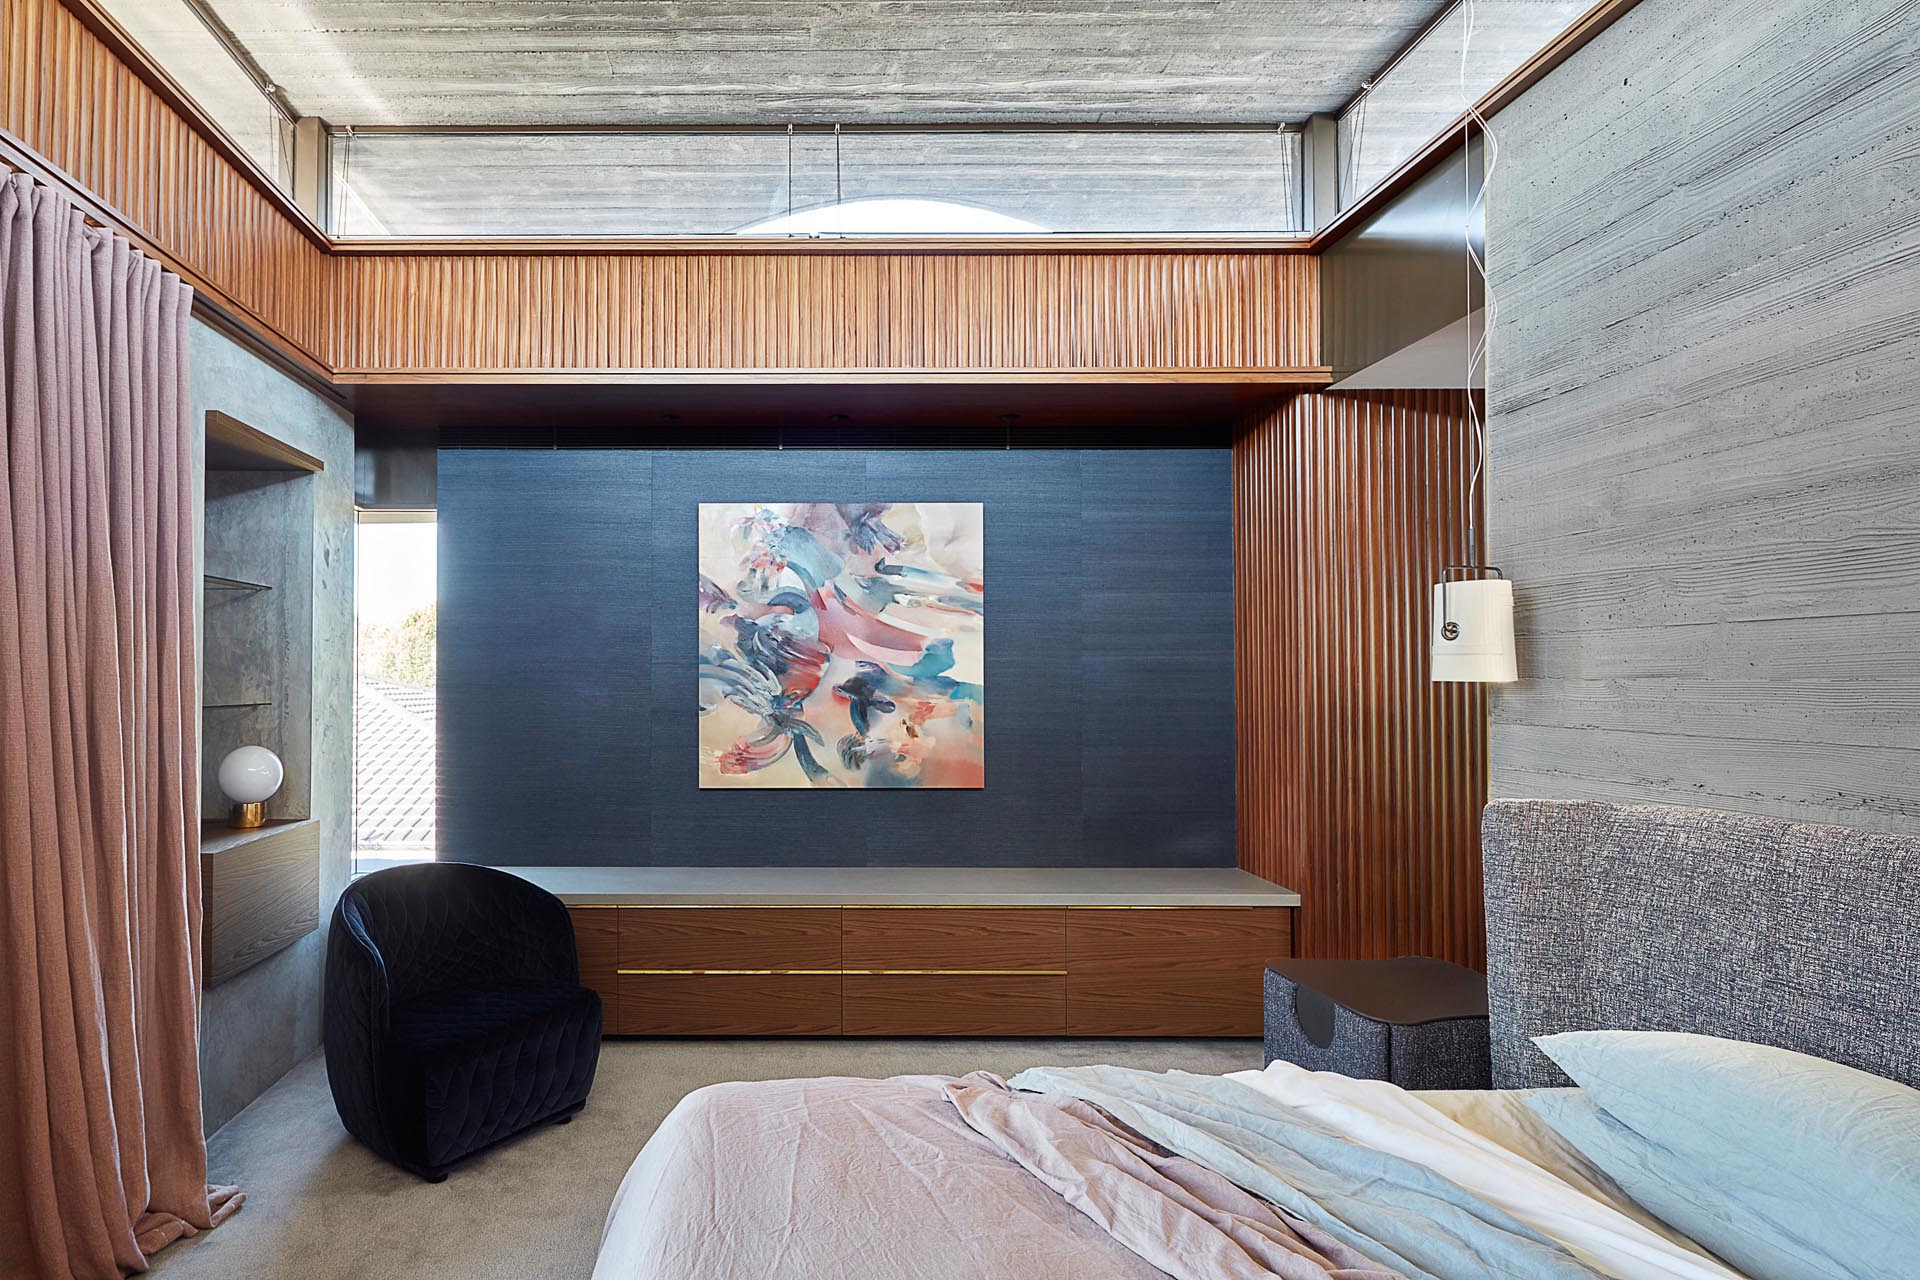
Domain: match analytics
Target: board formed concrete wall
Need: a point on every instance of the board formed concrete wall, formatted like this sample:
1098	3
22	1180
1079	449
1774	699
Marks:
1705	459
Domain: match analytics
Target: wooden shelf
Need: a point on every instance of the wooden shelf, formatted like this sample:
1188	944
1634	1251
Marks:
259	892
232	445
217	837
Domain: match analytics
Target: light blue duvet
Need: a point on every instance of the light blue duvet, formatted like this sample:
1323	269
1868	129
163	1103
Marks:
1400	1214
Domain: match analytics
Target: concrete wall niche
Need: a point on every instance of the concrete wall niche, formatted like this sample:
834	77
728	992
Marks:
259	888
276	510
256	645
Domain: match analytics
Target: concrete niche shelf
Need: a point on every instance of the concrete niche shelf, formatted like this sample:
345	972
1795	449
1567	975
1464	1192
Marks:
260	889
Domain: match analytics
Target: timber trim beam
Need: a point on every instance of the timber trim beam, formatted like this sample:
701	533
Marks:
1300	376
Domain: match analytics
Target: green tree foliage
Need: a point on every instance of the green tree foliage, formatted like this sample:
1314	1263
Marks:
404	652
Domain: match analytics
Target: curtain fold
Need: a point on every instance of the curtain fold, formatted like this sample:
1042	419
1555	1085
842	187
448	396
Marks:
102	1159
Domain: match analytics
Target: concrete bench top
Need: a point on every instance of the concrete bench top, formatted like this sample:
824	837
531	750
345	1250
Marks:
909	886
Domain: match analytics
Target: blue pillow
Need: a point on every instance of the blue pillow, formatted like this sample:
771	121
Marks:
1666	1186
1787	1166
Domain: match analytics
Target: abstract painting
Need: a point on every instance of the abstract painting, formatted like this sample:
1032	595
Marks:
842	644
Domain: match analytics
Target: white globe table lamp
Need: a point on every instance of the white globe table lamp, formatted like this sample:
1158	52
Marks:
249	776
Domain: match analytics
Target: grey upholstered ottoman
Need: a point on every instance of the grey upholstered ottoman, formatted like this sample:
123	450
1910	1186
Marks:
1418	1022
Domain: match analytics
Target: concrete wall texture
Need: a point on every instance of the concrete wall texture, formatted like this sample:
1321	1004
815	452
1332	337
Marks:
1705	242
257	1025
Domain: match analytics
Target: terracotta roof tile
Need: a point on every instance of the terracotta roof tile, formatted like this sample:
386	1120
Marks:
393	766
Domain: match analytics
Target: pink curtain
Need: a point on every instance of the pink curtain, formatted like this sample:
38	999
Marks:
102	1160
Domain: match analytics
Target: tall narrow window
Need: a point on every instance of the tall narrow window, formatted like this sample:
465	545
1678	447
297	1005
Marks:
395	617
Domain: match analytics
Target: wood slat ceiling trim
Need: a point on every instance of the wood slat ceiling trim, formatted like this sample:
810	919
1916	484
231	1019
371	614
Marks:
1278	380
1069	314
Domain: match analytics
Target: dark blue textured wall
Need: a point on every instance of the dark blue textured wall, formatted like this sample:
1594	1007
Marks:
567	716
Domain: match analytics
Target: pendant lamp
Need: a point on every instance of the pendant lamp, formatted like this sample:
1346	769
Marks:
1473	627
1473	603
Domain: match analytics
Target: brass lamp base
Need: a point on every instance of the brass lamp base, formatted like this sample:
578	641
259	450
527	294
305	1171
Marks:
245	817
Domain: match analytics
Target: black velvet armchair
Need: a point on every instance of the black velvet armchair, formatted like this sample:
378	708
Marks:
454	1015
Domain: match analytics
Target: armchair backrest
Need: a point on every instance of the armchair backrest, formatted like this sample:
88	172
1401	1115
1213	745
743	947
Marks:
447	924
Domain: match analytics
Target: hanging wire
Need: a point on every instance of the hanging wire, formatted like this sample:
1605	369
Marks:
281	122
1349	179
836	167
342	183
1479	350
789	168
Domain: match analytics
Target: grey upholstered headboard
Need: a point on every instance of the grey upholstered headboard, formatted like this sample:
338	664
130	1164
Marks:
1604	916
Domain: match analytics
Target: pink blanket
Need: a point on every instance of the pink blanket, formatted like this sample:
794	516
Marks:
934	1178
1181	1216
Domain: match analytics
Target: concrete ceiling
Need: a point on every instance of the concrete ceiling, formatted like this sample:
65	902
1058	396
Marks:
476	62
559	63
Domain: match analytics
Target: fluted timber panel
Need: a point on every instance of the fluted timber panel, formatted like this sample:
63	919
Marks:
1360	781
69	98
550	311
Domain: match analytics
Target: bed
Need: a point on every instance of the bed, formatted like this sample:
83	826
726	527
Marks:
1613	931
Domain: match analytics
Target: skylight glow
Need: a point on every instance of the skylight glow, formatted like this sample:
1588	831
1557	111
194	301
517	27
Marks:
893	215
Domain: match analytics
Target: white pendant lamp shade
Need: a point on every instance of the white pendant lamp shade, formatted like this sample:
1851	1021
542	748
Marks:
1473	631
250	775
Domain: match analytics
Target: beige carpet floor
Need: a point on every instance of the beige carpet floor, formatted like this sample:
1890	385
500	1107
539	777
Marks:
321	1206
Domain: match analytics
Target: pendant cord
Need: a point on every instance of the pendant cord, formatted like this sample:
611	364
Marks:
1480	349
337	192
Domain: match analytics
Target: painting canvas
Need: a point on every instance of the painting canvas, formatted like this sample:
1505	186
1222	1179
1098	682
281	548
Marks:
842	644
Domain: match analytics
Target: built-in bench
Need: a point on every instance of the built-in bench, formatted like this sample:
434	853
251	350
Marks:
918	951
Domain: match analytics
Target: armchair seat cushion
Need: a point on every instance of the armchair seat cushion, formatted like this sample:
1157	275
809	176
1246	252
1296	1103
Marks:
481	1064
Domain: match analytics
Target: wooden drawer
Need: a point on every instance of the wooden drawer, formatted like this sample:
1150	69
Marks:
259	893
706	938
596	936
953	938
937	971
1184	971
730	1004
944	1004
